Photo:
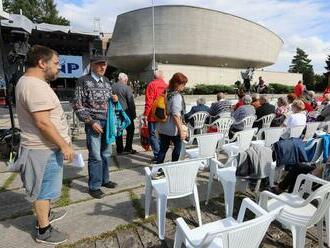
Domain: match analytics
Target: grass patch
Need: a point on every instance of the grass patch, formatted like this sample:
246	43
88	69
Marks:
136	204
8	182
106	235
65	196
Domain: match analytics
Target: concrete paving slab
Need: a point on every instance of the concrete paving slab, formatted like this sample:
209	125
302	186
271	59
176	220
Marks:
126	179
13	203
3	178
82	220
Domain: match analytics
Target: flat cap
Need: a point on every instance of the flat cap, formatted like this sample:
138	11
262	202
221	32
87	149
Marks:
98	59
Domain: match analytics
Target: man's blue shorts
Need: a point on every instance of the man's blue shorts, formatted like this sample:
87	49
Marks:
52	180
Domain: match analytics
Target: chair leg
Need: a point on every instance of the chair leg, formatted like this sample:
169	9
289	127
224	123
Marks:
327	226
298	236
272	174
178	240
320	232
197	206
229	193
161	215
257	188
148	196
209	187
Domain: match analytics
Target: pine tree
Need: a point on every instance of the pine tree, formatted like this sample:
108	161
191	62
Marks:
327	73
36	10
327	67
301	64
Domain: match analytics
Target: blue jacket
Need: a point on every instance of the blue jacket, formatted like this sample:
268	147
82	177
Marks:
195	109
117	121
326	144
290	152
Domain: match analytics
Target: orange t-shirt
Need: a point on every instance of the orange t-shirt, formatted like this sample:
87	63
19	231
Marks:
33	95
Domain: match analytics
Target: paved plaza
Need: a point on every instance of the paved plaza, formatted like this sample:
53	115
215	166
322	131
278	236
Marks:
117	220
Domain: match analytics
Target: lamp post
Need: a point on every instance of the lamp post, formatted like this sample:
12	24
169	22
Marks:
153	38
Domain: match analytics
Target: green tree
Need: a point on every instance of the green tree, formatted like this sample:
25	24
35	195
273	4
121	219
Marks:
36	10
327	62
301	64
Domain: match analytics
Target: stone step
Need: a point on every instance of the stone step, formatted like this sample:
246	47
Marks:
83	220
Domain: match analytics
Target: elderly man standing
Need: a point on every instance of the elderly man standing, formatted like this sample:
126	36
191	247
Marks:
243	111
126	99
44	139
90	103
155	88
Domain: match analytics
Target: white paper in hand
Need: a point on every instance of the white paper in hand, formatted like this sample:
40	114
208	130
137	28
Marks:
78	161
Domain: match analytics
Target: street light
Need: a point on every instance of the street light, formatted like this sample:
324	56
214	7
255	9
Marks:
153	38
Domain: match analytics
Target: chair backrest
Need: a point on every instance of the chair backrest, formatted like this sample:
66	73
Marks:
248	121
248	234
199	119
181	176
223	125
295	132
322	195
267	120
272	134
318	144
224	114
325	125
311	128
207	144
244	138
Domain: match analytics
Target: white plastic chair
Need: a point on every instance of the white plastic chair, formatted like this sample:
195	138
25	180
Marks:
179	181
228	232
298	213
224	114
266	120
276	172
207	146
271	135
223	125
311	128
226	173
296	132
240	141
247	121
199	119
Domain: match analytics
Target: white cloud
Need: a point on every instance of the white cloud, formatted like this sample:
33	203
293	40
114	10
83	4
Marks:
300	23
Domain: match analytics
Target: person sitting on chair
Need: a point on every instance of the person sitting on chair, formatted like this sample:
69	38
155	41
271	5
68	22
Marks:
220	106
265	109
246	110
198	108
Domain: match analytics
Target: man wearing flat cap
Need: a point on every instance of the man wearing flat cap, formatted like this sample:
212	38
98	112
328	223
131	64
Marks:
91	105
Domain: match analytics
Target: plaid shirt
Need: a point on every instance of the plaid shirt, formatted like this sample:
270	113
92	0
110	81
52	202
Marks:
91	97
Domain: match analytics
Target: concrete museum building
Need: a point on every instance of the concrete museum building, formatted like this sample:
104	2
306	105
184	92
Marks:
209	46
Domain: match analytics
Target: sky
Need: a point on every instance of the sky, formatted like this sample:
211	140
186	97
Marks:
300	23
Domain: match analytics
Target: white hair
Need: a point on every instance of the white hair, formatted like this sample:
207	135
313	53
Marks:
159	74
201	101
122	77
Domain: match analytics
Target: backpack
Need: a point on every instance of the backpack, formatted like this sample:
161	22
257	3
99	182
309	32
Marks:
159	108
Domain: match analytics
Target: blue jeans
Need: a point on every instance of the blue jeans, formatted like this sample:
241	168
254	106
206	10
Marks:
52	179
165	142
99	155
153	139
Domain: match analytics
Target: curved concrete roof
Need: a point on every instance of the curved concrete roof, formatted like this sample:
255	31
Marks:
192	36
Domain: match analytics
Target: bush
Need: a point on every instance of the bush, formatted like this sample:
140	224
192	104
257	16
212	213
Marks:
208	89
280	88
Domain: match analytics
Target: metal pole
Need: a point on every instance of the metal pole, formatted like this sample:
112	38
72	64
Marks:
153	38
